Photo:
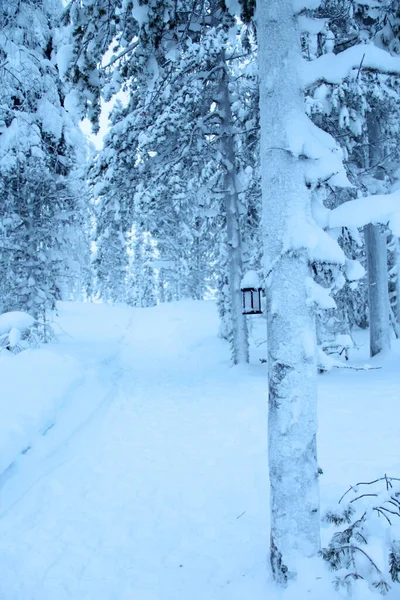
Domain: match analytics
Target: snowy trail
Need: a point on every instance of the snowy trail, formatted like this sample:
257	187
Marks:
84	401
154	494
153	482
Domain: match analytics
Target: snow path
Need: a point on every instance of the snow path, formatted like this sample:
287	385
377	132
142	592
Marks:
152	496
89	390
152	484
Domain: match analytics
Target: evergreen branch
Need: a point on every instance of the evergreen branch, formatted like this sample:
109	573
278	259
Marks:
385	478
237	56
352	547
392	512
379	510
131	47
394	501
363	496
354	575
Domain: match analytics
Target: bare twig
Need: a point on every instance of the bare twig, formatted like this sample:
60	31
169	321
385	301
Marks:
352	487
363	496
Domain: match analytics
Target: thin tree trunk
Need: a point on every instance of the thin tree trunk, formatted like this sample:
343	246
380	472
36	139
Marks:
394	282
378	297
375	248
292	424
396	307
234	243
161	289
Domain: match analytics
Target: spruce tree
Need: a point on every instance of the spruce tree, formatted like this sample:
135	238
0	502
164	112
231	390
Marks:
43	249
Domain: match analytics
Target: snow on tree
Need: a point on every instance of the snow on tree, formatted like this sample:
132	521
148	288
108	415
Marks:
291	328
43	249
175	138
352	88
294	152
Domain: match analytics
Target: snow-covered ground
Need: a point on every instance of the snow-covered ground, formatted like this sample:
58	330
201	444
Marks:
134	459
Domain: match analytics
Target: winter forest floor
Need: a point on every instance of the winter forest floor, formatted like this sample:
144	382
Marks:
134	459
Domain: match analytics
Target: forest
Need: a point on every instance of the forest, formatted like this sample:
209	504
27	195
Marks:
159	158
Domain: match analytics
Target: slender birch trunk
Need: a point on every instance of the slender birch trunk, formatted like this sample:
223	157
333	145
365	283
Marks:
291	325
231	201
375	237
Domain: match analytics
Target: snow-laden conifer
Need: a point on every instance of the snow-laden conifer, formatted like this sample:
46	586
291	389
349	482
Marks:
172	147
42	236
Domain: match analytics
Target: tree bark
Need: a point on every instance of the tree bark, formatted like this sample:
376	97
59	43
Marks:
395	243
292	424
240	347
375	249
378	296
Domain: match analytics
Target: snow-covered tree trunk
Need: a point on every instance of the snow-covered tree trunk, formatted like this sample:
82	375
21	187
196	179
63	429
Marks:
231	201
375	237
291	326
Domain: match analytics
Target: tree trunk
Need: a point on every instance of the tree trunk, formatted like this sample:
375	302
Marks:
395	260
375	249
292	424
378	296
161	284
240	348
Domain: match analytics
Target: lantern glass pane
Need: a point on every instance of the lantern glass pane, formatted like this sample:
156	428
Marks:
247	300
256	300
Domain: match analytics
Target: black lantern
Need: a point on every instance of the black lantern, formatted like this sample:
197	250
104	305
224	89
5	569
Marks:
251	293
251	301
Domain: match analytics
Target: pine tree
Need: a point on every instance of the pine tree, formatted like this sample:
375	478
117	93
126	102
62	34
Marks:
42	238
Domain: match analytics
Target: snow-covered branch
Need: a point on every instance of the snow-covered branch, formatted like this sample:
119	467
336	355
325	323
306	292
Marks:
126	51
378	208
334	68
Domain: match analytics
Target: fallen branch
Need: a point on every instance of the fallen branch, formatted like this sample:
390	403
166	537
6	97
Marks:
353	368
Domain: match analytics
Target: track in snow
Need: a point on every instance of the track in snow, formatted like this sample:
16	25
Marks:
152	495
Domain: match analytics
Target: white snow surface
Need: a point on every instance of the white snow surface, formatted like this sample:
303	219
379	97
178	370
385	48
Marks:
15	319
319	295
251	279
140	13
320	245
312	26
378	208
146	476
